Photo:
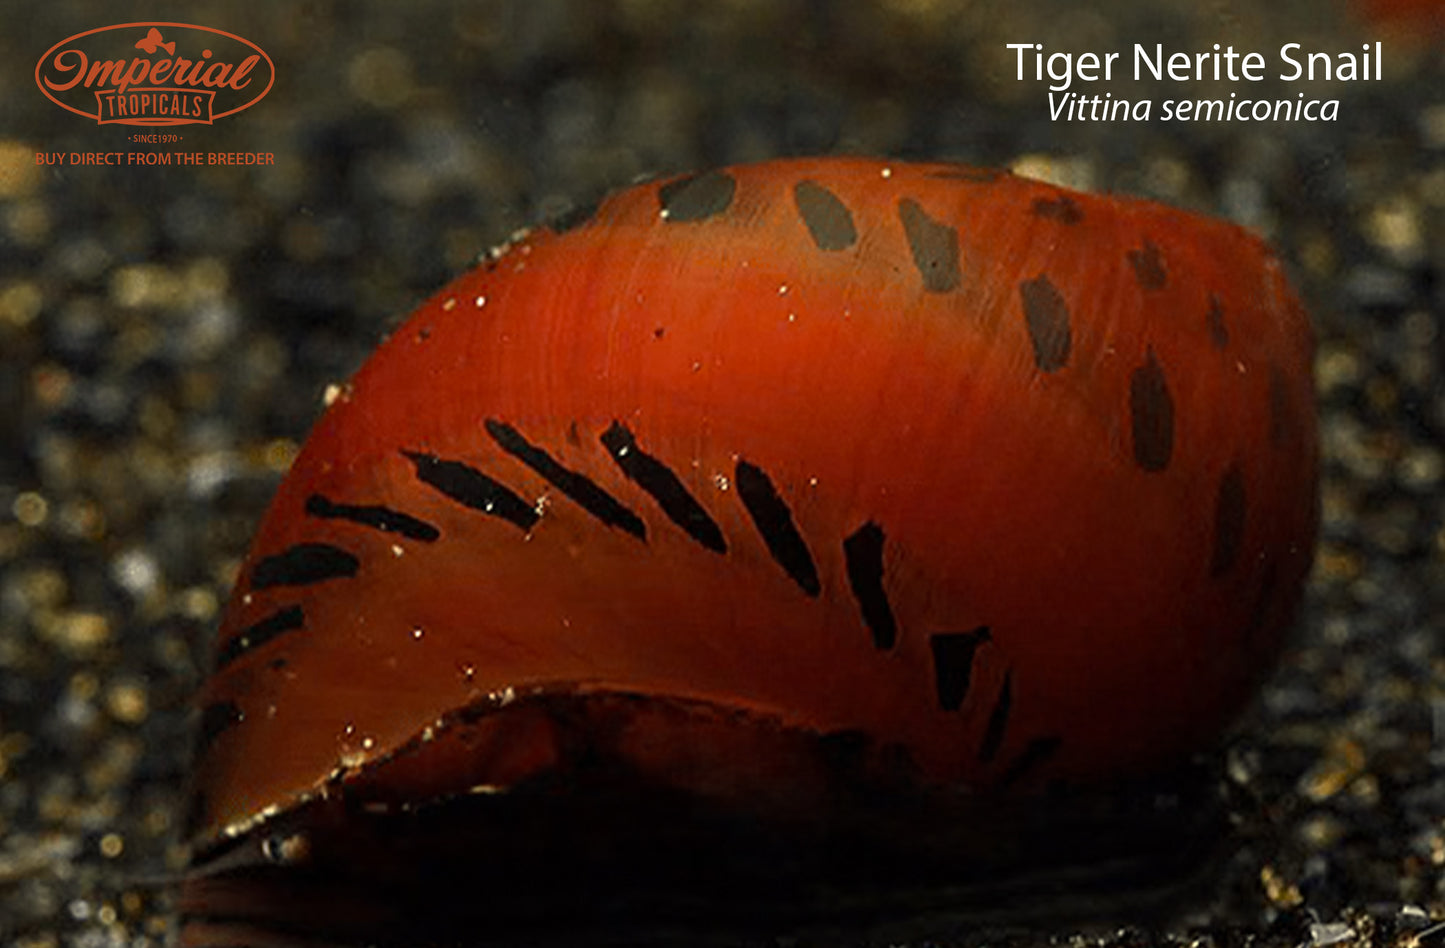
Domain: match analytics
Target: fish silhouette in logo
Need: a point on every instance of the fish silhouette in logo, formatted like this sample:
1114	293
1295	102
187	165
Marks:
153	41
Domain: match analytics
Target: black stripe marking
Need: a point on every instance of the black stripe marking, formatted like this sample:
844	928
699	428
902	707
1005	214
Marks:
863	551
775	522
829	222
1218	331
216	719
696	197
1035	753
303	564
581	489
471	488
953	654
1148	266
1047	317
1229	513
934	246
654	477
1061	209
997	720
377	517
1151	411
277	623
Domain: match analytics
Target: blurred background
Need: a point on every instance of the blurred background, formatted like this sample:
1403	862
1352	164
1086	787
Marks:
166	335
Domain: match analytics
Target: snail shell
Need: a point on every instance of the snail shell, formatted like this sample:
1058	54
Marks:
741	508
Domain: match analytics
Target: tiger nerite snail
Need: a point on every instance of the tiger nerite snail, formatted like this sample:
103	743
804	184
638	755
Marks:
759	500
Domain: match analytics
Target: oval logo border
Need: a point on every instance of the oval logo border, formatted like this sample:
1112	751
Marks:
40	63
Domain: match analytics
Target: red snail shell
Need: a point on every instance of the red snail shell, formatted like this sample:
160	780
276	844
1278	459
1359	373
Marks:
779	491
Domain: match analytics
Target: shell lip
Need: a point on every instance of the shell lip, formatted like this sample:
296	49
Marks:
578	712
601	847
597	751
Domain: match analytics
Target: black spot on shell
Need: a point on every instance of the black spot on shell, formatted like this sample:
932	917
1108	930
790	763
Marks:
377	517
1214	319
1151	412
1062	209
659	481
828	220
863	552
303	564
278	623
1148	264
1047	317
953	655
471	488
775	523
580	489
934	246
1229	516
696	197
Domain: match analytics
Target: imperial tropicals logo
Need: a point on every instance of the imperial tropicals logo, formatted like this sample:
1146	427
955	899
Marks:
155	74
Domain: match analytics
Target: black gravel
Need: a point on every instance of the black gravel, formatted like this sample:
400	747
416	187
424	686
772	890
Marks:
166	335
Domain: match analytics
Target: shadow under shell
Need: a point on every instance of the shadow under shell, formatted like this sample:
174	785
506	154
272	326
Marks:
592	847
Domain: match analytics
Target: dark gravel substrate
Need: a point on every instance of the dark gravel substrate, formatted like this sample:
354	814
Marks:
166	335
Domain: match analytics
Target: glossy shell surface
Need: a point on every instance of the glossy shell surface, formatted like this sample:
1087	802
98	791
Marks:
1014	482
